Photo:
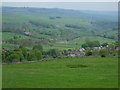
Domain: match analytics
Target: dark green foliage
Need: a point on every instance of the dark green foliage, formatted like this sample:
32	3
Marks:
84	45
15	37
20	55
21	46
103	53
18	52
88	53
117	44
13	58
3	56
24	52
95	52
65	52
34	55
38	47
38	54
91	44
69	50
53	52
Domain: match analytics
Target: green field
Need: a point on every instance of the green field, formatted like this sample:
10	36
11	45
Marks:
63	73
72	28
0	76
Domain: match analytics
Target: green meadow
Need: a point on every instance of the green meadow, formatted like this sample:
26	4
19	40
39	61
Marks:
0	76
89	72
46	28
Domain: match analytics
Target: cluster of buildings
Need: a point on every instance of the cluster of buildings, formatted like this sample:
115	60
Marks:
82	51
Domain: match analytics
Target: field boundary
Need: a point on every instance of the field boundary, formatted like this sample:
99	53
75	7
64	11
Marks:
47	59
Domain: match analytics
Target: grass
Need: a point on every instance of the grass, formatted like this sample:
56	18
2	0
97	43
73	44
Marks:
9	35
0	76
60	32
85	73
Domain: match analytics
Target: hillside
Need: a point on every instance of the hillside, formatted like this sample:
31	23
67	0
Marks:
55	28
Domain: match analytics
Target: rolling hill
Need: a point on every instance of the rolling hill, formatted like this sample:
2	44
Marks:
28	26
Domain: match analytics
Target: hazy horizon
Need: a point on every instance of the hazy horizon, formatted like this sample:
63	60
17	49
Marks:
91	6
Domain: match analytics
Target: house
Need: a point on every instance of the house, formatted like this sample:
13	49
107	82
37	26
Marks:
71	55
80	52
97	48
27	33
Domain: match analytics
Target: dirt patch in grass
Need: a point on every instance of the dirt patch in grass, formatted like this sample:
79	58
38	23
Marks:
77	66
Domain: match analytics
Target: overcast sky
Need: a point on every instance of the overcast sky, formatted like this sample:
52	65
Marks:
97	6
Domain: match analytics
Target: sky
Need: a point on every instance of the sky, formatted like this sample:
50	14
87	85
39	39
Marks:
96	6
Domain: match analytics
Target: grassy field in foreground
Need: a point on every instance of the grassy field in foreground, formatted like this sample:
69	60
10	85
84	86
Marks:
63	73
0	76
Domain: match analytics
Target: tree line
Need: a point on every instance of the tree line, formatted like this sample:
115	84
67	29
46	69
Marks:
22	53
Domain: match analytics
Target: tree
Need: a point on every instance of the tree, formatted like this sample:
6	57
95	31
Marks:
15	37
32	56
18	51
53	53
24	52
13	58
103	53
95	52
38	54
84	45
91	44
20	55
65	52
38	47
88	52
3	56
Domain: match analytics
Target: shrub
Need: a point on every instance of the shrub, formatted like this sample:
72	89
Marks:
38	47
103	55
88	53
13	58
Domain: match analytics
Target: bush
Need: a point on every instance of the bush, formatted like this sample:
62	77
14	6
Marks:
38	47
13	58
88	53
53	52
32	56
103	55
35	55
91	44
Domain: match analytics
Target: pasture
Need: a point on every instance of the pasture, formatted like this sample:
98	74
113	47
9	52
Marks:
94	72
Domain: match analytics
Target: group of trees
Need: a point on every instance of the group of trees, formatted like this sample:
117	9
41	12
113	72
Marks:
72	26
43	25
22	54
91	44
106	50
36	52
